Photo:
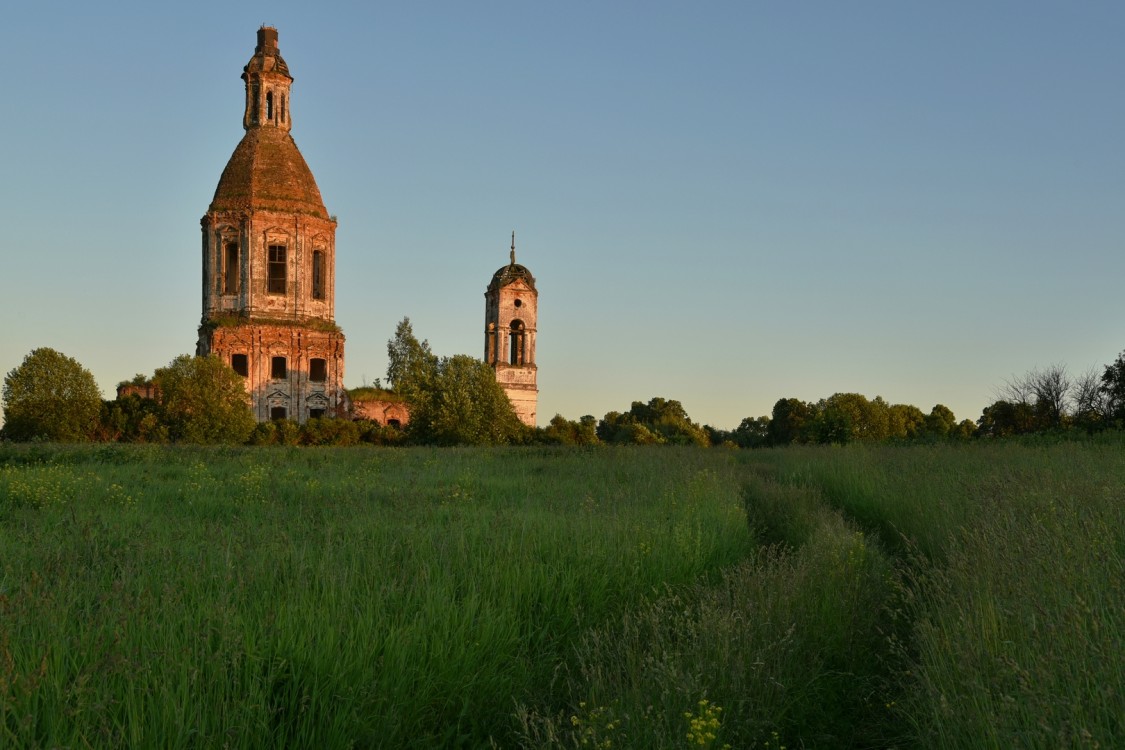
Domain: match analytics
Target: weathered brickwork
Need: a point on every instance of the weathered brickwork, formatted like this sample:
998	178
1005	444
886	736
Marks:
269	276
269	260
291	371
511	305
386	413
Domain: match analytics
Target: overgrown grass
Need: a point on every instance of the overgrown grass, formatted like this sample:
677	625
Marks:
1017	560
939	596
327	598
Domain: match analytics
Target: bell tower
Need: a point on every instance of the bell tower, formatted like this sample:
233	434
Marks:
269	260
511	305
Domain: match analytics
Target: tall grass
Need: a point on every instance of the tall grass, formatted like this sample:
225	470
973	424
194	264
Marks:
327	597
1017	553
938	596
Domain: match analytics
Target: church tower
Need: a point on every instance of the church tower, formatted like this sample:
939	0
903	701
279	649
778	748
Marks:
269	260
511	305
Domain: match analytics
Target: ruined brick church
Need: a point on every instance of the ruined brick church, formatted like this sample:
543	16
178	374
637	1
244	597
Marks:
269	274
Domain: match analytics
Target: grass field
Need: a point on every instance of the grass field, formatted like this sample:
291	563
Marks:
637	597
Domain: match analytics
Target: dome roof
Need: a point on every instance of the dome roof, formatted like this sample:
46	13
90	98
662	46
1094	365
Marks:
511	273
267	171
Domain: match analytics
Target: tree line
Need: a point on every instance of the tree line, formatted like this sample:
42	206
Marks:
455	400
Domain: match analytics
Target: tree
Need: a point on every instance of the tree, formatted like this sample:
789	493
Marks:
752	432
1004	418
50	396
940	421
659	421
790	421
453	400
1047	391
562	431
411	366
1113	389
132	419
204	401
904	421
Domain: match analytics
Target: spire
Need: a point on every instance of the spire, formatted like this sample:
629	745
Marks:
513	255
267	84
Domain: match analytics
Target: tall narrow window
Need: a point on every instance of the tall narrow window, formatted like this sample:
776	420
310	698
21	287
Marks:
318	370
283	107
318	274
516	342
269	106
230	270
278	370
240	364
277	269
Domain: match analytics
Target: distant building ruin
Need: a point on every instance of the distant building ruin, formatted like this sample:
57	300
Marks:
511	305
269	260
269	277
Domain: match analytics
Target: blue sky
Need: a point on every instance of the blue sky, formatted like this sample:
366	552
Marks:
723	203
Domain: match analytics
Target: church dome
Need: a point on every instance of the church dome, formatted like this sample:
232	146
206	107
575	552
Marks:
509	274
267	172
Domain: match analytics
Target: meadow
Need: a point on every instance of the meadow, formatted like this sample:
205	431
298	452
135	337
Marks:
929	596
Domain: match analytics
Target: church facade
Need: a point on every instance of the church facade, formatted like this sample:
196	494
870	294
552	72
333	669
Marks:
269	260
269	270
511	311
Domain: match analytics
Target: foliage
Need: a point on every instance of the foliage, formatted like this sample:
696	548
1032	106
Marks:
204	401
50	396
562	431
659	422
789	422
453	400
1113	389
132	419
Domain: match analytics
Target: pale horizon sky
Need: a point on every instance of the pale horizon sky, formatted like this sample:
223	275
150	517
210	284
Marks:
723	203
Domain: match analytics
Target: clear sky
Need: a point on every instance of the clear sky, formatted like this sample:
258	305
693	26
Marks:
724	203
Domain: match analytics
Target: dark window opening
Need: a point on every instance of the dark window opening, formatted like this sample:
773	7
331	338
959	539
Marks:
518	303
230	271
277	368
394	423
516	341
318	370
277	269
318	274
254	103
316	413
278	412
240	363
269	106
283	107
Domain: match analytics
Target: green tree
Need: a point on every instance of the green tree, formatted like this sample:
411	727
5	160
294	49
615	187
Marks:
453	400
752	432
940	421
411	366
1113	390
204	401
904	421
133	419
659	421
790	421
50	396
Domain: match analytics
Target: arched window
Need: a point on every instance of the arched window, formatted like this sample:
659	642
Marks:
269	106
516	341
283	107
